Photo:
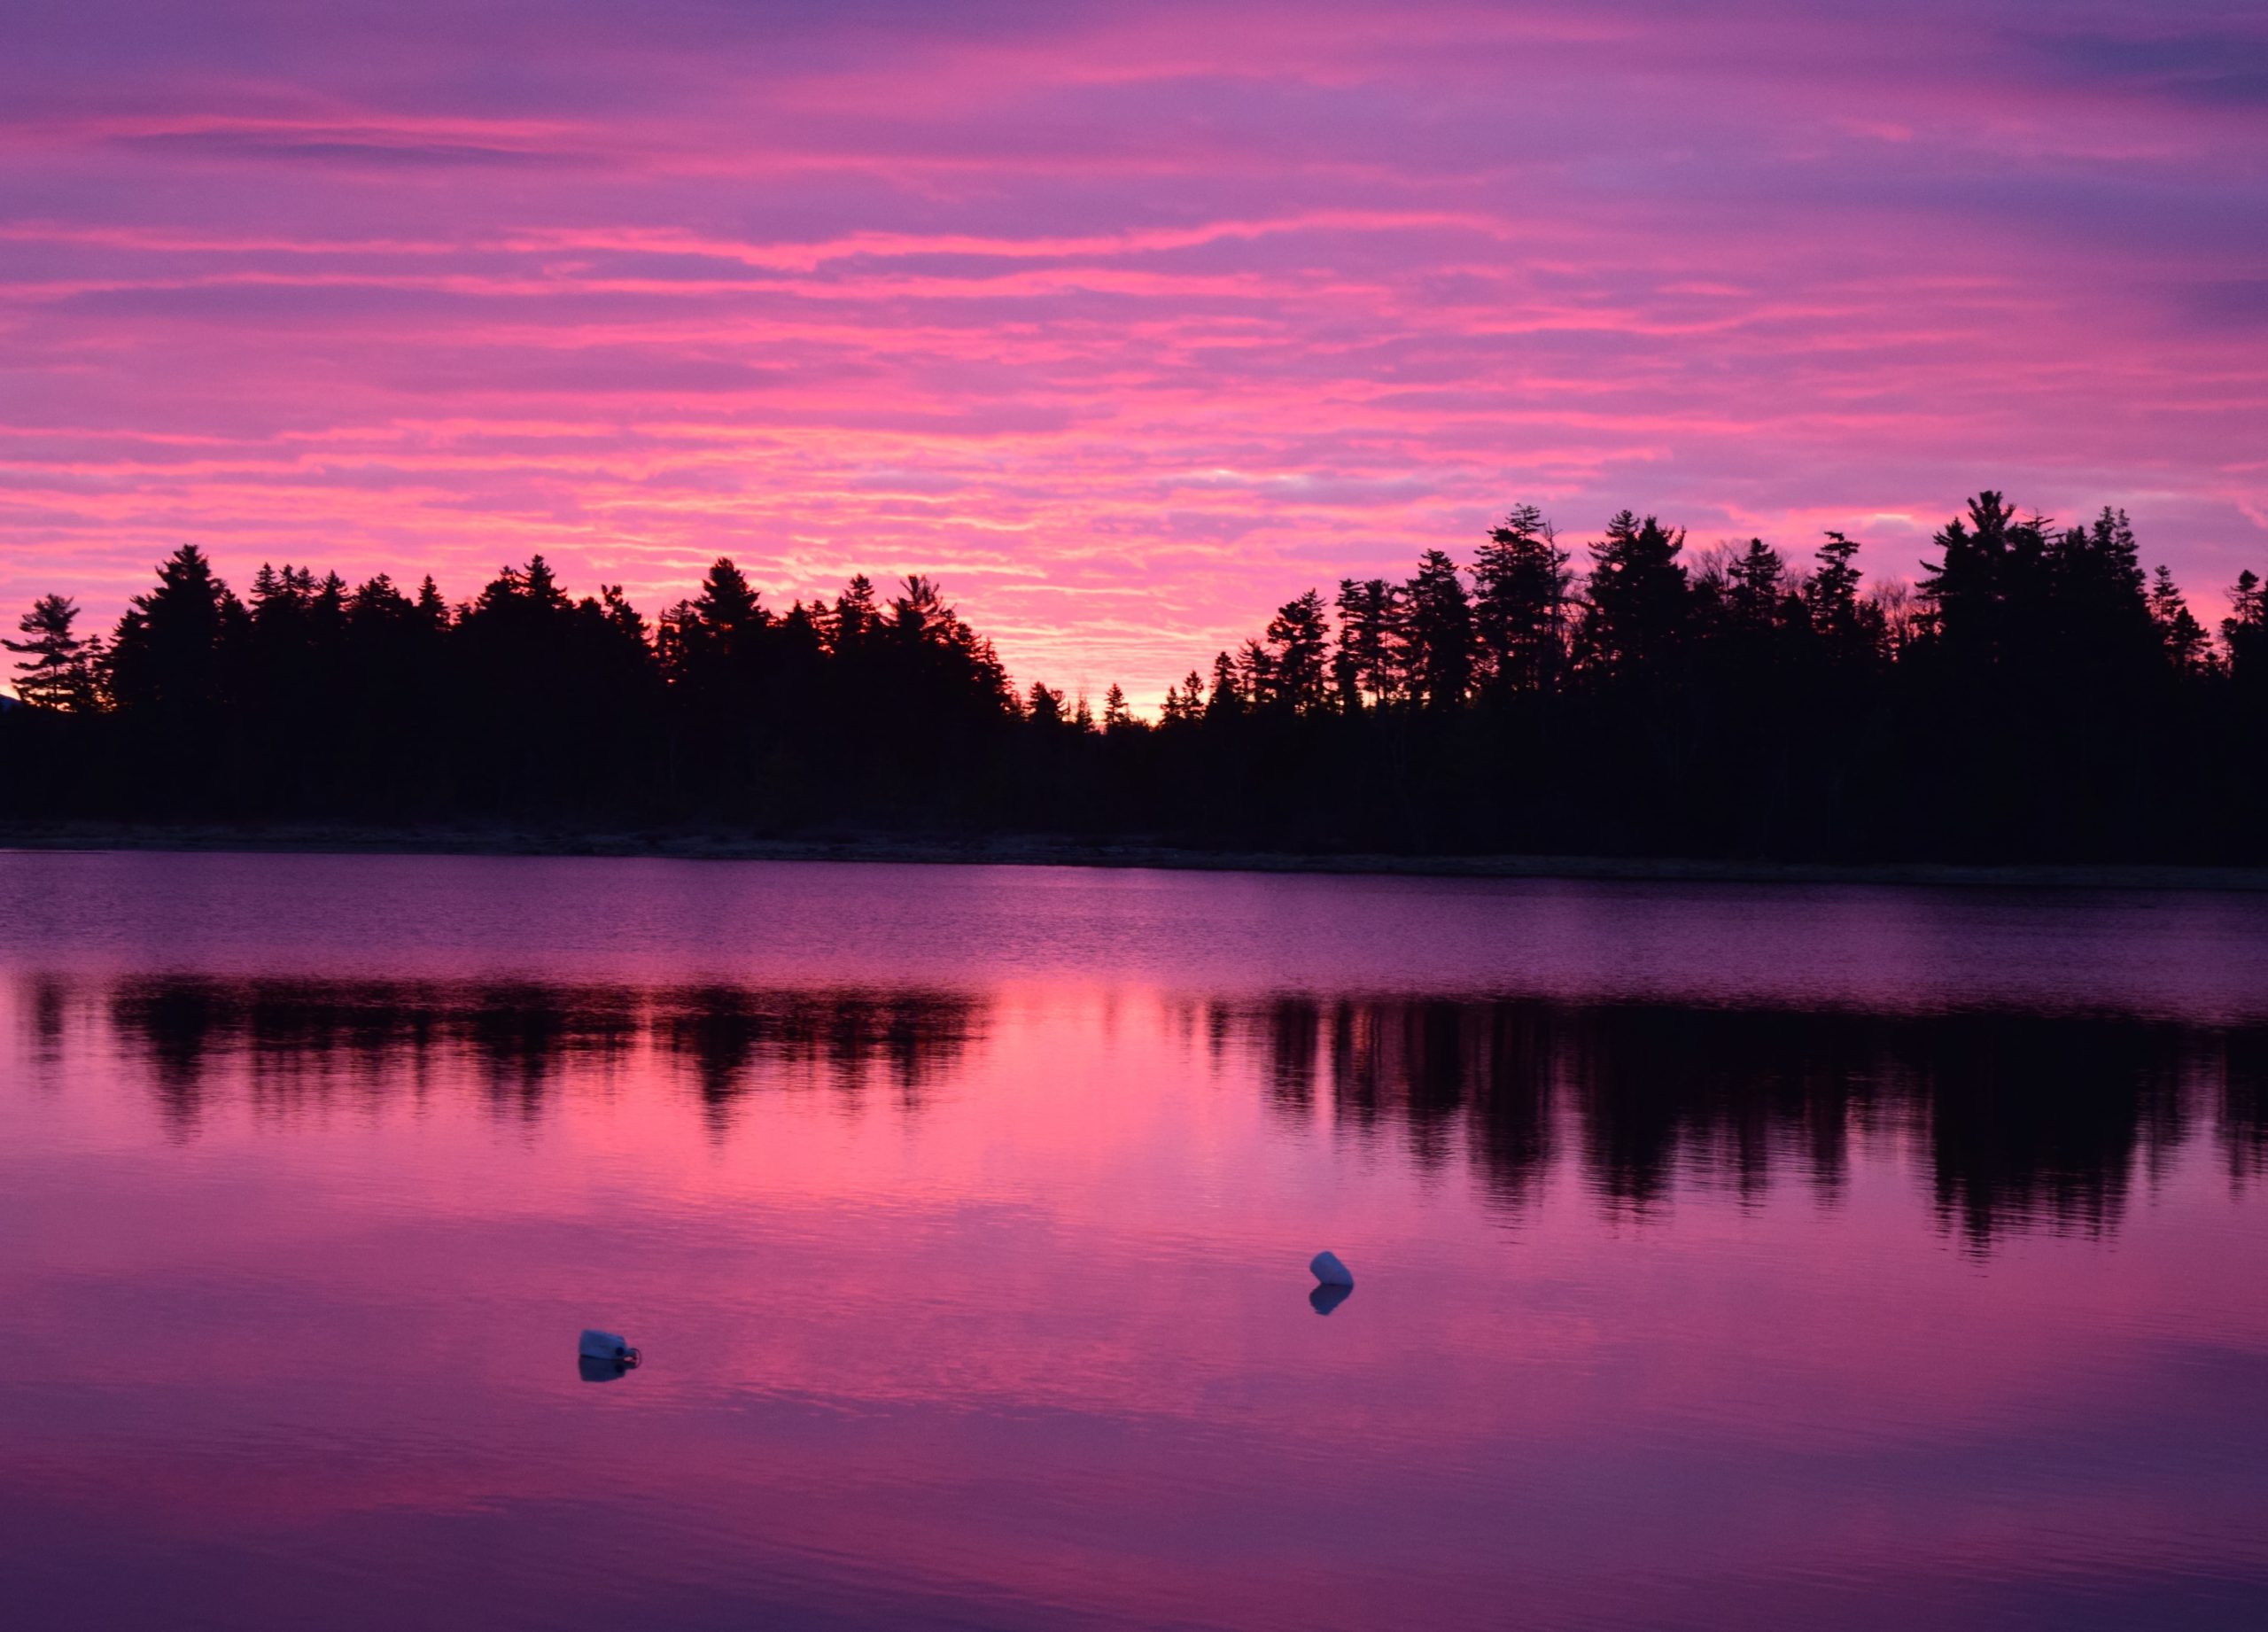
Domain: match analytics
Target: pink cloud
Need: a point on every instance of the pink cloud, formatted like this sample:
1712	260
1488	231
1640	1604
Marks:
1128	325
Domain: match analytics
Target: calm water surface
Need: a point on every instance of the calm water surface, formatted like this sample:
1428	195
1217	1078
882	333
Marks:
1726	1257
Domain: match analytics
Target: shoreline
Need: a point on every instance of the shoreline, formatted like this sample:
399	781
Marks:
334	838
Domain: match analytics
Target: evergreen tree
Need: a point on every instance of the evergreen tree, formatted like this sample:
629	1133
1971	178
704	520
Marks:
1519	610
1985	597
1186	701
2188	648
54	668
1437	664
539	586
1366	660
1636	611
377	601
432	611
1227	699
1299	639
1757	585
1255	684
2244	631
918	613
727	607
1847	626
856	616
170	654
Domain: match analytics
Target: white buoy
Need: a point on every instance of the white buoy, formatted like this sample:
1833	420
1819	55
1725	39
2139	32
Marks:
1325	1267
607	1345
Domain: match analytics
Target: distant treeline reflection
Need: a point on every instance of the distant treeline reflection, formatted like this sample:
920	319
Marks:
305	1038
2016	1119
2020	1118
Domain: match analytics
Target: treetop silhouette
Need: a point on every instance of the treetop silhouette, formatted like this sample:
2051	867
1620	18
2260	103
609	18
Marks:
2036	694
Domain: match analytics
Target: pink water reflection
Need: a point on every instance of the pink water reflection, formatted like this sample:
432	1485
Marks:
987	1306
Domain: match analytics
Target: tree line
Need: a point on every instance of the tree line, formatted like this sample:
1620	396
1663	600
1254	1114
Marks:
2035	695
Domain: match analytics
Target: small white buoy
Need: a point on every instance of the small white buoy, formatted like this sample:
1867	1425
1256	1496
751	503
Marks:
1325	1267
607	1345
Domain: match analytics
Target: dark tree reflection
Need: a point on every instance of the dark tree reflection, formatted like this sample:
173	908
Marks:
2016	1119
731	1038
2243	1070
303	1042
2009	1119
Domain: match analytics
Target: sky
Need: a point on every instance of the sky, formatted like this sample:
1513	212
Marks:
1126	321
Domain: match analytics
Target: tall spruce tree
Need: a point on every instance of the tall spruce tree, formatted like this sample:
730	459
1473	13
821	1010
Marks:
2244	631
1520	605
172	649
1298	651
1847	626
1366	662
2188	648
1437	661
1636	611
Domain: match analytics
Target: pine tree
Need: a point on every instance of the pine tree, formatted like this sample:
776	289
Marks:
1292	676
541	587
855	617
170	649
918	612
1366	661
1636	611
1255	684
726	614
55	667
1756	580
2188	648
432	611
1847	626
1987	595
1519	608
1228	699
1185	702
1437	665
2244	631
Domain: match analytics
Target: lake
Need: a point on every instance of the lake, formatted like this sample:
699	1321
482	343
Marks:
1725	1256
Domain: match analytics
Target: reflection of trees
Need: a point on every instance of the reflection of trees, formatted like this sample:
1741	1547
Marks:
2021	1118
1431	1066
2013	1119
301	1041
2243	1067
2040	1119
46	998
731	1037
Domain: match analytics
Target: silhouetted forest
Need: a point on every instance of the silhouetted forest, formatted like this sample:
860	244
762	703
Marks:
2034	696
2015	1120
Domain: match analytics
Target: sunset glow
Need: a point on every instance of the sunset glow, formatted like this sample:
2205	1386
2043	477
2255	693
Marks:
1127	321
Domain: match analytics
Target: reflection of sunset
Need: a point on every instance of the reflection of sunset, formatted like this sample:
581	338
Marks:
1015	1301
